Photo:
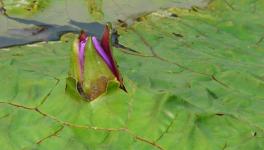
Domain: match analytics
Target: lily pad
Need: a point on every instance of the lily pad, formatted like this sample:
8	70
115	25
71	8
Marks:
194	79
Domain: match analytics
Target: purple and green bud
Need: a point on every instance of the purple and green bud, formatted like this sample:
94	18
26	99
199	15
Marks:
93	65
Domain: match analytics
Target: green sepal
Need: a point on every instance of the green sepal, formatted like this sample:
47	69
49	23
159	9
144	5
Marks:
75	70
96	72
71	89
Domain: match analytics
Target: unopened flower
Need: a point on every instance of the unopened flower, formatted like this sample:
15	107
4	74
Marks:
93	65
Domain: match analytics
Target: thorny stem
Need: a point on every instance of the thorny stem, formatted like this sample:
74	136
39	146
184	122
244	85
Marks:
130	51
260	40
155	55
47	95
145	42
166	130
71	125
51	135
149	142
4	116
229	5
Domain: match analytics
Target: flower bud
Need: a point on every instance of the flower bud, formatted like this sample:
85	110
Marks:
93	65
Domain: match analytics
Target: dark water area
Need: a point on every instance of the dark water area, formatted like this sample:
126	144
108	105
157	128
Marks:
73	16
46	32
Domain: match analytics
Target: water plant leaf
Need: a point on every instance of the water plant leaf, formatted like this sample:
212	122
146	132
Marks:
194	82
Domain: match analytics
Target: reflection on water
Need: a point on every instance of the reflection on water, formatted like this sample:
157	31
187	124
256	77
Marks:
72	16
40	31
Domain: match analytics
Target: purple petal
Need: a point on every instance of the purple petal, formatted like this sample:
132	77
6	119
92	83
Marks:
102	53
82	44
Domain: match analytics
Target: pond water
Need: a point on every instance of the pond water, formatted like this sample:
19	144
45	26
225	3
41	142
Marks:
60	17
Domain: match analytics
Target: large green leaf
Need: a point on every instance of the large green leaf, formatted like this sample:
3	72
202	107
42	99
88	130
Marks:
194	81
